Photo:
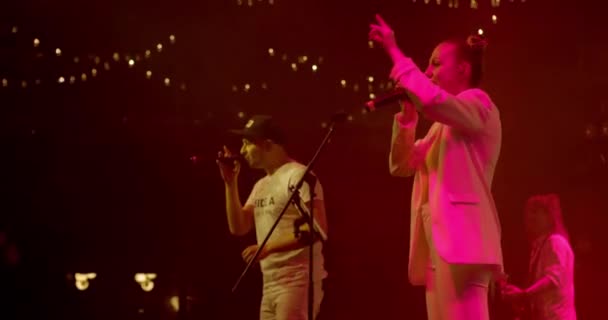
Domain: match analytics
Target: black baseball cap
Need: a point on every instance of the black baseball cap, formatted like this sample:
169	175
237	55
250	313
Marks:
261	127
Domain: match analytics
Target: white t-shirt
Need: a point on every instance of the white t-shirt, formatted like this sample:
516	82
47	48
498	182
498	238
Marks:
553	257
268	197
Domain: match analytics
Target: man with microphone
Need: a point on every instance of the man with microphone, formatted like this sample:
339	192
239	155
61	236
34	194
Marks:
284	259
455	232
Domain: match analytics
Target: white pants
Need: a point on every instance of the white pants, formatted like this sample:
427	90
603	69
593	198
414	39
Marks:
290	303
454	291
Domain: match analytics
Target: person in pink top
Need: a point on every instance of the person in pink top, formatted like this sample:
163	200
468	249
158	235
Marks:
455	231
549	294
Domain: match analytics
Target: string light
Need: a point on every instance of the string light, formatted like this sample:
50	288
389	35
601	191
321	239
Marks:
174	303
480	32
494	19
250	3
88	71
148	74
474	4
82	280
145	280
314	68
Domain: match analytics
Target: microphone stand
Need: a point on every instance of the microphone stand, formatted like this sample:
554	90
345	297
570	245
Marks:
339	117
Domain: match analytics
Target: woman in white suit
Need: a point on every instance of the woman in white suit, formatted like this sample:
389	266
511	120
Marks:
455	232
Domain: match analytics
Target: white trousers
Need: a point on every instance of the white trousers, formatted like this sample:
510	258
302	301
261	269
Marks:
290	302
454	291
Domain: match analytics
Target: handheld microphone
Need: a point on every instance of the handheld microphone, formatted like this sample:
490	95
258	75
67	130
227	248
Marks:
397	94
230	160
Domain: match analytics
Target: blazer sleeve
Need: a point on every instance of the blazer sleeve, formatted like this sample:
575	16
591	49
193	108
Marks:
467	111
405	155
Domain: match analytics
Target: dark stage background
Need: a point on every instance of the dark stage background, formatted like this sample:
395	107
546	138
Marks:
116	175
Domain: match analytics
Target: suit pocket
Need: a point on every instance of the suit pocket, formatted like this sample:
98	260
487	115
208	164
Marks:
463	198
